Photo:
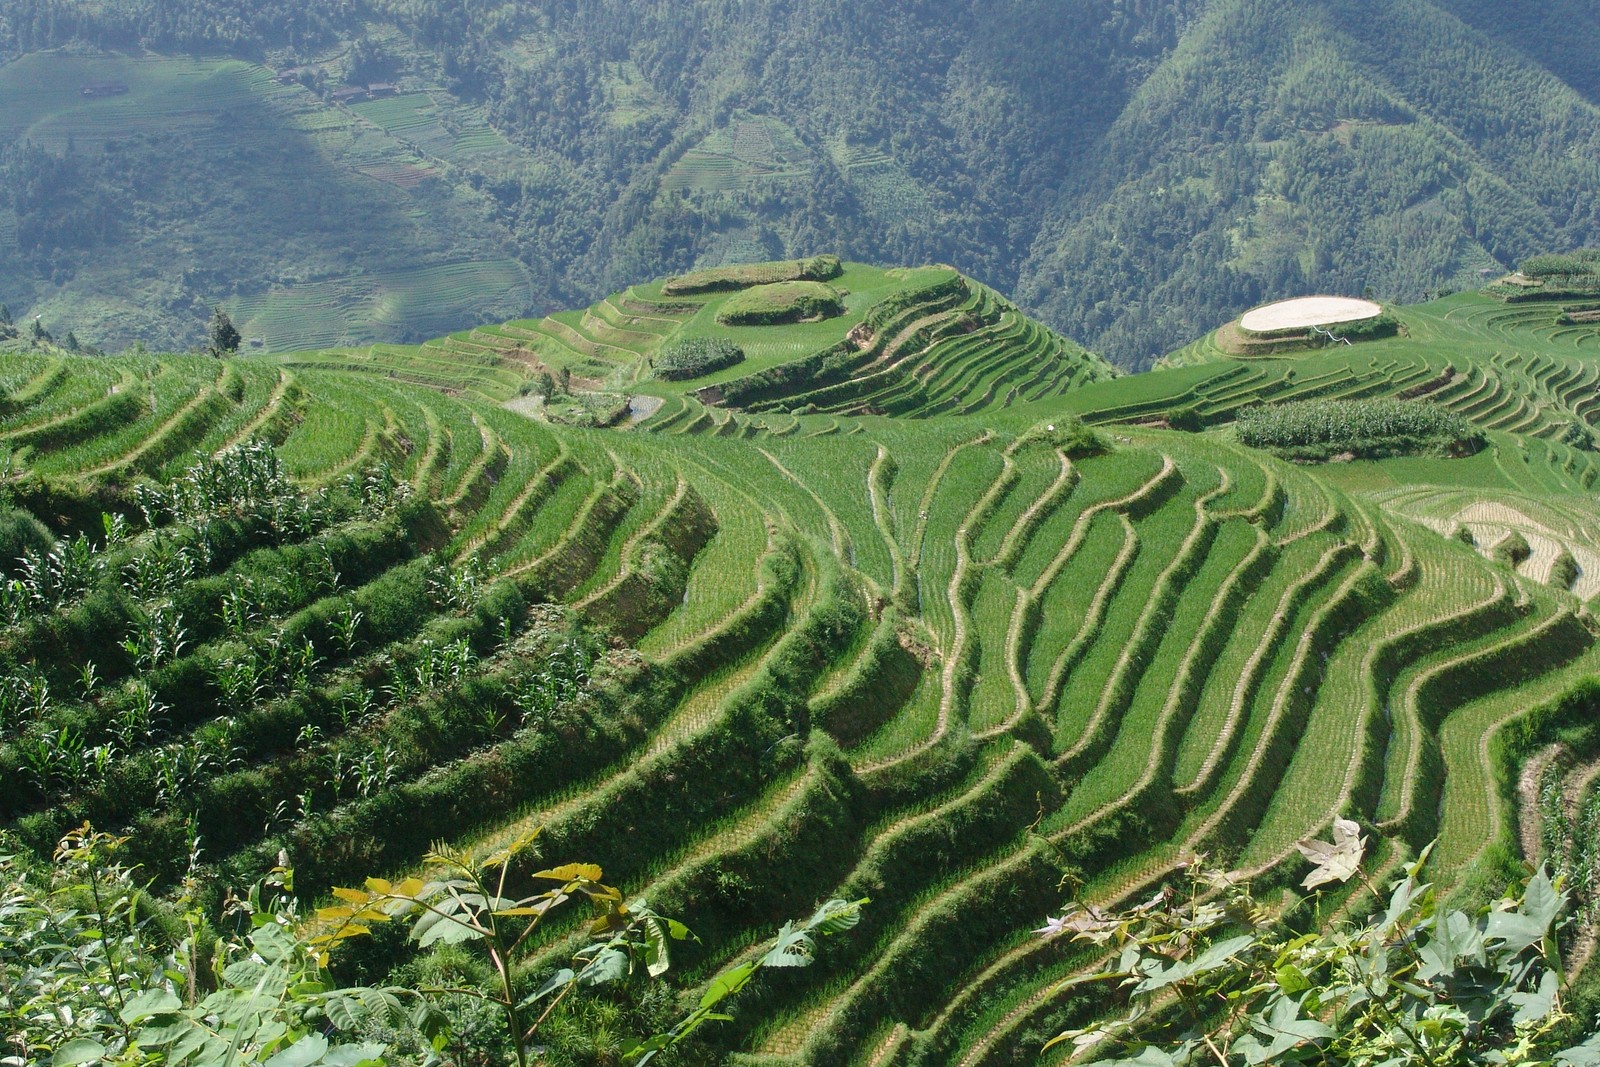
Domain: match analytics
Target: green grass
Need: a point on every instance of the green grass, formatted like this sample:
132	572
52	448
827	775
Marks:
1215	649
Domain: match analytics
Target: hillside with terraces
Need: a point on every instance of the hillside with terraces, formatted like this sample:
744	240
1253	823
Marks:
919	601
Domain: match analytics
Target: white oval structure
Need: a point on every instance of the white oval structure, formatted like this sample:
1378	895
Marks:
1308	311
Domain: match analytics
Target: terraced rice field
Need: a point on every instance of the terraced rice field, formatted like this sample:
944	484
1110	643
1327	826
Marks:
750	148
931	660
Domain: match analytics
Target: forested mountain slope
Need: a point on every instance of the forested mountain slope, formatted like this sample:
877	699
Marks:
1137	172
1344	146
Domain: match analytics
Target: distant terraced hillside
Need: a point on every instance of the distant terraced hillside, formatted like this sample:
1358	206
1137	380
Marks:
938	661
909	342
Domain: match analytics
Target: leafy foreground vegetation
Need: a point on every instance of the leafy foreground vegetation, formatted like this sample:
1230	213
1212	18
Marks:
153	983
1422	984
760	647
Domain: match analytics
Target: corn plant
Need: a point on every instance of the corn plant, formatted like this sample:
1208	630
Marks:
347	629
300	665
244	480
561	678
401	688
116	530
1583	868
456	589
441	665
13	703
139	721
159	571
66	572
181	768
491	720
338	772
355	708
62	758
378	490
88	680
375	770
159	639
95	764
1555	827
1570	842
241	607
242	677
15	602
24	698
326	576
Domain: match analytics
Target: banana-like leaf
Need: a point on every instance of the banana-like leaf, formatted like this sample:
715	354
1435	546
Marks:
571	872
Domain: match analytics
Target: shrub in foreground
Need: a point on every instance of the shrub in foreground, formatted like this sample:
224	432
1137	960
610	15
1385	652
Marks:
95	970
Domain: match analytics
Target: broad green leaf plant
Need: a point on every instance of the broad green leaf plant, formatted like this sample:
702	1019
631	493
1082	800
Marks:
465	900
93	970
1211	976
88	975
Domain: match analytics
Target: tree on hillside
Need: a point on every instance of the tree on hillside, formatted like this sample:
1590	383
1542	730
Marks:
5	315
224	337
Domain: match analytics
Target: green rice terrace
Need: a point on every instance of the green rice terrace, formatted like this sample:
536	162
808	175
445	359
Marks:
919	602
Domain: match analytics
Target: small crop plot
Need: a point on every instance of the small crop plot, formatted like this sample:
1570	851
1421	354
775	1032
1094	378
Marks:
749	149
1321	429
696	357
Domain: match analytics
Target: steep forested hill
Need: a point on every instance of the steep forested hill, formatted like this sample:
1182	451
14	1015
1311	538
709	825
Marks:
1137	172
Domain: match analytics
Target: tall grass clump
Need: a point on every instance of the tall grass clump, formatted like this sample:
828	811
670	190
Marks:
1322	429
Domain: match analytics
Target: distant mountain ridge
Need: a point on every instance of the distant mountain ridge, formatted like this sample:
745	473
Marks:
1136	172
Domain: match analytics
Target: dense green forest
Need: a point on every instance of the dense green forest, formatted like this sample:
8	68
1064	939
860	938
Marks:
1136	171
